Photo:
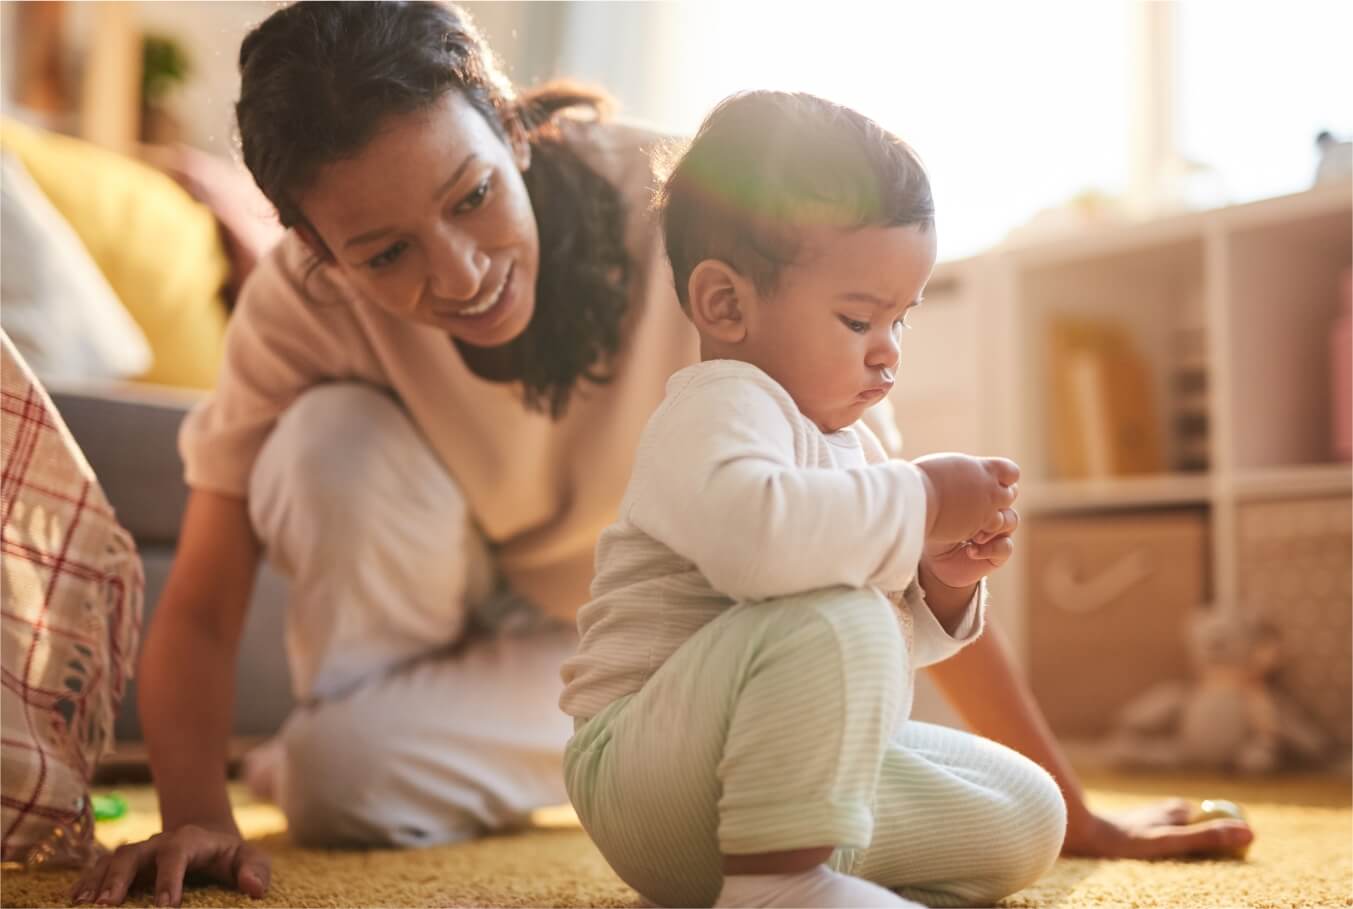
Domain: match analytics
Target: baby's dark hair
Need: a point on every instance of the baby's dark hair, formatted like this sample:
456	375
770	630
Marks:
765	166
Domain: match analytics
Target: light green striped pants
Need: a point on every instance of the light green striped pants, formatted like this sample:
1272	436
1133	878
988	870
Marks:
776	727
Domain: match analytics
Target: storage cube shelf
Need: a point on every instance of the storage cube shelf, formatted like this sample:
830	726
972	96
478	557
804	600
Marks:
1114	494
1149	294
1278	295
1223	318
1294	570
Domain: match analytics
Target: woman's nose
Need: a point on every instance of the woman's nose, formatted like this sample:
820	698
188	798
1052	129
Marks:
457	269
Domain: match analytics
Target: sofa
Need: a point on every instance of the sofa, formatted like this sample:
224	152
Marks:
129	433
165	237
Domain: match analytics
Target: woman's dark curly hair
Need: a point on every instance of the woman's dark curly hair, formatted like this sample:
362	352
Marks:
318	79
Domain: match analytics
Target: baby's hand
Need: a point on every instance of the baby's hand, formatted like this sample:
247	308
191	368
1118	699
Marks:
964	564
967	498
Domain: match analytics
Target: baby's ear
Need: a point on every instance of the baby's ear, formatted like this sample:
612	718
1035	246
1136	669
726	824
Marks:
718	299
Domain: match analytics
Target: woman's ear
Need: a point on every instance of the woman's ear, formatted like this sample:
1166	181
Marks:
520	142
718	298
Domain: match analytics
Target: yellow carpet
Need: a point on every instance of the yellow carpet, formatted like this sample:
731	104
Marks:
1303	857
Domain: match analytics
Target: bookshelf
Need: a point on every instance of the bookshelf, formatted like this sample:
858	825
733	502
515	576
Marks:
1227	316
1305	480
1114	494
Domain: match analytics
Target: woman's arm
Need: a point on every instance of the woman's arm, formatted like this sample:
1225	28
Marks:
186	686
187	668
993	698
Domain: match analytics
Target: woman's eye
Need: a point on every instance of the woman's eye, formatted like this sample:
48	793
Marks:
387	256
855	325
475	198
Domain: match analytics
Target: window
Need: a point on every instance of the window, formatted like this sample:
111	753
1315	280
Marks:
1257	82
1014	107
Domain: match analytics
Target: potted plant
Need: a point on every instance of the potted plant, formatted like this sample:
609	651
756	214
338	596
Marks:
165	66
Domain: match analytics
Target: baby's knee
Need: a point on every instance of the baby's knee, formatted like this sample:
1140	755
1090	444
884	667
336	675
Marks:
860	624
1028	824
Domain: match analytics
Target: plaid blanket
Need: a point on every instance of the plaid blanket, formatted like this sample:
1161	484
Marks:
70	596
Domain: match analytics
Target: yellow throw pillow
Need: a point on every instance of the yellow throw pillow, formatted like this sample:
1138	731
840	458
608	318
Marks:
160	250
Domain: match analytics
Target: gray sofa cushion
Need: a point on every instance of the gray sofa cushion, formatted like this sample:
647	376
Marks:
129	433
262	684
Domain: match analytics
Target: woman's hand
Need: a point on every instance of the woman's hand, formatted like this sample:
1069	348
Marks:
222	856
1156	831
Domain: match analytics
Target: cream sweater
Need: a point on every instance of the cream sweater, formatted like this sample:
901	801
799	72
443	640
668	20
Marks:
542	491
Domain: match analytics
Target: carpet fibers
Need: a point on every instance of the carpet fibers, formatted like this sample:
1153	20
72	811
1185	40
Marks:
1302	857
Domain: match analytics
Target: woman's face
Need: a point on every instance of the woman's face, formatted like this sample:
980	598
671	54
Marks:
431	221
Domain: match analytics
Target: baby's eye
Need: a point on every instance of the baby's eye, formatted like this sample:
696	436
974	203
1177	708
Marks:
901	324
387	256
855	325
476	197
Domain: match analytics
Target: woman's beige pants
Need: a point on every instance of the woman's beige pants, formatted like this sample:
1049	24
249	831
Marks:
429	695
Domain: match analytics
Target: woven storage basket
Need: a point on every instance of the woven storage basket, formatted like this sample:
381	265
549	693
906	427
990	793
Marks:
1109	599
1296	569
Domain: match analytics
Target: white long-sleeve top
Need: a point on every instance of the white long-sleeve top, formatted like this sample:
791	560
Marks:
736	496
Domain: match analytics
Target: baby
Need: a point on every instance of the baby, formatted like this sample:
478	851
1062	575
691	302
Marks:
744	675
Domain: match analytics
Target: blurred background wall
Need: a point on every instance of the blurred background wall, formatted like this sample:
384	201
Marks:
1016	108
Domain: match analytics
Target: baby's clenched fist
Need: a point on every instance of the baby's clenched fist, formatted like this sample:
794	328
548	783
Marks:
968	498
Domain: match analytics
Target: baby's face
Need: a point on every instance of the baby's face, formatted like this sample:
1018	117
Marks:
830	333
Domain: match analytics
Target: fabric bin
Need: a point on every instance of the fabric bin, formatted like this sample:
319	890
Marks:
1108	605
1296	569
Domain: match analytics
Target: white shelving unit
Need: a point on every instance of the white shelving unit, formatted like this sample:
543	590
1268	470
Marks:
1286	482
1262	282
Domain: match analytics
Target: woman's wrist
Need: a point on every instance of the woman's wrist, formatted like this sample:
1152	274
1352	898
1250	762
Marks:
1082	831
1081	822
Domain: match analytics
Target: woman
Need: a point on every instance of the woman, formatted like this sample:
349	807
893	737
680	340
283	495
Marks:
432	391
